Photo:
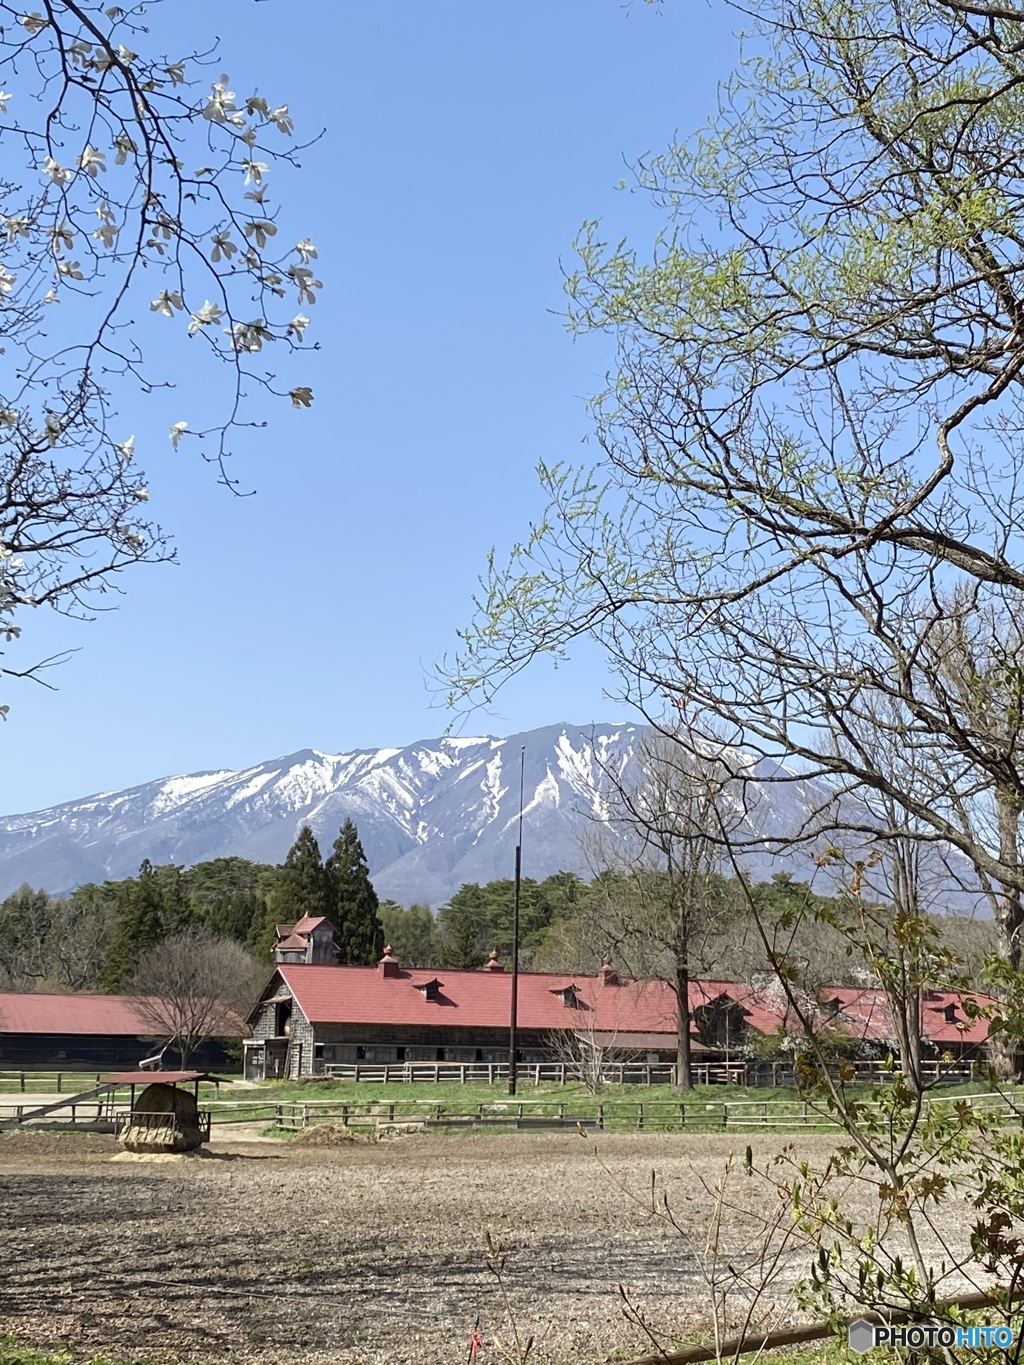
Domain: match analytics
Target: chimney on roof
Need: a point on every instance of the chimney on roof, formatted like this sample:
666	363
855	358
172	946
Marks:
493	963
389	963
606	973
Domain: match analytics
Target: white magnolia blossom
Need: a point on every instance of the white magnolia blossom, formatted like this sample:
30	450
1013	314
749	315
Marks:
140	494
4	97
166	302
223	246
7	281
125	147
33	23
127	448
52	429
51	296
249	336
70	269
205	316
221	107
297	326
176	71
8	418
302	396
125	54
62	237
92	161
17	226
176	432
106	233
283	120
254	172
58	174
305	282
306	250
262	229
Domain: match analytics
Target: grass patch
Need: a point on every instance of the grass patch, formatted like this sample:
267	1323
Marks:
15	1352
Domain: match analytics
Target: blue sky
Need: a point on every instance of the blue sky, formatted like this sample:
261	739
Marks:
464	144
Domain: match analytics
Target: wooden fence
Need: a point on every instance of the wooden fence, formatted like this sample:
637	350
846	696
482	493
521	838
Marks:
651	1115
743	1073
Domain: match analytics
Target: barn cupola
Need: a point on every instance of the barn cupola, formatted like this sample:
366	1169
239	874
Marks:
607	975
388	965
493	963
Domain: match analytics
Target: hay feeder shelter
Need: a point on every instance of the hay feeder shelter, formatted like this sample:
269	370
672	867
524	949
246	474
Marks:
165	1115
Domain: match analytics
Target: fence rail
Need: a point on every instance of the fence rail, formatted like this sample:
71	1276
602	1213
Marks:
743	1073
656	1115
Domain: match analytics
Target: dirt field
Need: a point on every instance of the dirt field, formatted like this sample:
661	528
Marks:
358	1253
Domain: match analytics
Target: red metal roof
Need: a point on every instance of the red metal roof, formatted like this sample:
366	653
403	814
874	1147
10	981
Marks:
34	1012
481	999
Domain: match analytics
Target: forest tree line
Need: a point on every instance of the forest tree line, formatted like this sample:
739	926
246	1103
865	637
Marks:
94	938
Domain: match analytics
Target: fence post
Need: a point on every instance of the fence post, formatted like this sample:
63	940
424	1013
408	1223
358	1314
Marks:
462	1072
305	1116
58	1082
682	1116
561	1073
23	1082
725	1116
639	1118
775	1073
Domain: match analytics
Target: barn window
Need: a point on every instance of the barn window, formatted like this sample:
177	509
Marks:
360	1053
430	990
399	1054
440	1054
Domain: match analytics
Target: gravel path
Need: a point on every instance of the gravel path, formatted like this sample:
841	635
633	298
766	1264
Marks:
359	1253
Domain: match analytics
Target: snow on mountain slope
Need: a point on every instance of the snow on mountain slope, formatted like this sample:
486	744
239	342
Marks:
431	816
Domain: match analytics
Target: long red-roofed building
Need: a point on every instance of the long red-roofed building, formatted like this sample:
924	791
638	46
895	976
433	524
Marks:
310	1017
47	1029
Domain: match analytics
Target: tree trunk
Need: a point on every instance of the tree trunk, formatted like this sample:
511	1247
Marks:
684	1067
1009	916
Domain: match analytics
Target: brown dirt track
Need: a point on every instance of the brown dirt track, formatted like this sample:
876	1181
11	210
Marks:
360	1253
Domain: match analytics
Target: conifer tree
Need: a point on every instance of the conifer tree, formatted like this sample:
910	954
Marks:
140	926
303	886
353	900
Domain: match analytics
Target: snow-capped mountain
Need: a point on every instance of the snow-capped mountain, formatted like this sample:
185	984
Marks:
431	816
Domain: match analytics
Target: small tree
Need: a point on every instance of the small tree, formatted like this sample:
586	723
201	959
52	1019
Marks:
669	820
352	900
192	987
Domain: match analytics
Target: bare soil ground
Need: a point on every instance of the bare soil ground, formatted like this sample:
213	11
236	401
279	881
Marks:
358	1253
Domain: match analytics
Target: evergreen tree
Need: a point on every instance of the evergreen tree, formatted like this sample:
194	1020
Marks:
353	901
140	926
303	884
467	927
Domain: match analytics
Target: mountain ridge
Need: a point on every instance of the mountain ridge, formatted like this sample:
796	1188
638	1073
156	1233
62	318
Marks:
431	815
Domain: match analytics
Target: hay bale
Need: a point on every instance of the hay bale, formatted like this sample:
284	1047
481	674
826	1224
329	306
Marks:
163	1119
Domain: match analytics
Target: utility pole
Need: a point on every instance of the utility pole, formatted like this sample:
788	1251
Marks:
514	1011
